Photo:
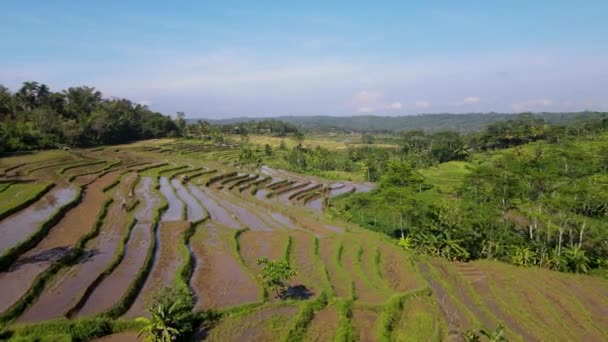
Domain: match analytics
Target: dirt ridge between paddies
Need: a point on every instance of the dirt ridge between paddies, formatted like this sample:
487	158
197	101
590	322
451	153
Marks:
63	241
20	227
69	284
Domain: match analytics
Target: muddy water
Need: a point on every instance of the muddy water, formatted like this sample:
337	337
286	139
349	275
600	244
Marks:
339	191
316	204
216	212
243	214
283	220
219	280
167	260
261	194
112	288
77	222
257	244
284	198
174	212
69	284
19	226
194	210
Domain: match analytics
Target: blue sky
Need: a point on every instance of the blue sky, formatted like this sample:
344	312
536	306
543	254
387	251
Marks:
227	58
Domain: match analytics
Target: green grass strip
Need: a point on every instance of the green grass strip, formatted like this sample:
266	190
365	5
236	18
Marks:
111	185
287	189
71	330
255	184
137	284
220	177
172	169
301	321
300	193
242	181
107	167
237	246
33	198
185	270
118	256
150	167
69	167
11	254
391	313
288	250
278	184
46	276
346	330
52	165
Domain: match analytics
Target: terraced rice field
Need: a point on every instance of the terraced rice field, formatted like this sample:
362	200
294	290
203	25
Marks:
93	233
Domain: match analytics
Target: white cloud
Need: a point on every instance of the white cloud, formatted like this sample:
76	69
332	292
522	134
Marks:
422	104
144	102
368	101
395	105
471	100
531	105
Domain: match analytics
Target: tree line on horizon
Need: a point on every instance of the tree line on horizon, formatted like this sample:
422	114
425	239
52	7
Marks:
34	117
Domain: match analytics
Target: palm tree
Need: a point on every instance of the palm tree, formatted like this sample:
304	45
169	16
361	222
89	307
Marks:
462	152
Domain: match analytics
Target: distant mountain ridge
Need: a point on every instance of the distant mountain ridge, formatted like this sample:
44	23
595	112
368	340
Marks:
425	122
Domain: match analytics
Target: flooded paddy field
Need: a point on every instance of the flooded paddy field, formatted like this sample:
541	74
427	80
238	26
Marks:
120	223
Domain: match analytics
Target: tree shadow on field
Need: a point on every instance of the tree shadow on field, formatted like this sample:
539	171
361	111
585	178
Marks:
299	292
53	255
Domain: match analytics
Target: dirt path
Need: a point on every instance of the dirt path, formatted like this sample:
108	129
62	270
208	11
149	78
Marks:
167	260
112	288
22	224
219	279
77	222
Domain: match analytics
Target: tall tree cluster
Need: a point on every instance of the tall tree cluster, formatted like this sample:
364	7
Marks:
34	117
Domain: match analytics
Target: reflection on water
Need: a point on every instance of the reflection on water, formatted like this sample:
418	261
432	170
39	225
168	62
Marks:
22	224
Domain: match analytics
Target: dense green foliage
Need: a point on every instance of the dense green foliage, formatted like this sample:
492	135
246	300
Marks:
34	117
542	202
171	315
275	274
